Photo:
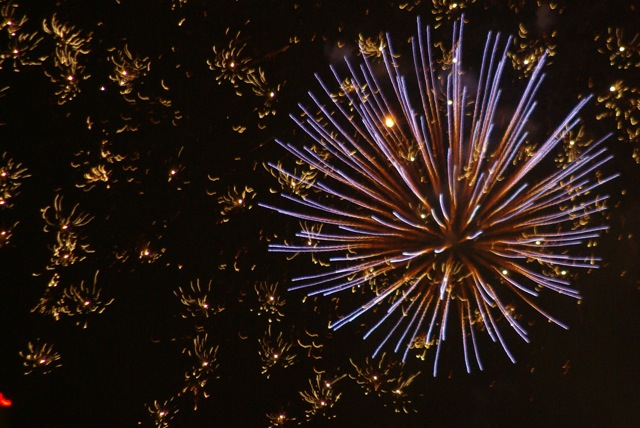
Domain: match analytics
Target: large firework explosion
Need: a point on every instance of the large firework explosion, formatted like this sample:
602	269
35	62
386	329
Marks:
135	284
418	197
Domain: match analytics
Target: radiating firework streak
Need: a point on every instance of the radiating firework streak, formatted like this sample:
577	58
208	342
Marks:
454	225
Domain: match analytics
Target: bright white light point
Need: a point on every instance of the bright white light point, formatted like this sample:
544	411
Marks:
612	88
375	378
271	298
272	94
87	303
43	360
70	78
172	172
564	272
275	356
15	51
240	201
449	102
621	48
232	65
388	121
571	143
538	242
423	216
102	88
526	62
505	272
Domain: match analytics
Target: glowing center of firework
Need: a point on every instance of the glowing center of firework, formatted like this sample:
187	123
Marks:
452	239
453	243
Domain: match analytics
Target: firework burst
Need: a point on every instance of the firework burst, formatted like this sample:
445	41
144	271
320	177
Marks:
425	203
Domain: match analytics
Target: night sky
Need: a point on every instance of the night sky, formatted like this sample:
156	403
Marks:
136	283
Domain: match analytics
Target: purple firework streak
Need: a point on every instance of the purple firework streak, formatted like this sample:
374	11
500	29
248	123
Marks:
418	194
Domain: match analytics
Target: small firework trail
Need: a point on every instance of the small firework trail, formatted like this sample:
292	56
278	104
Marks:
419	199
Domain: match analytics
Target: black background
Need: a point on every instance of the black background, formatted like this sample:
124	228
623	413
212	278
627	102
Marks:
131	354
